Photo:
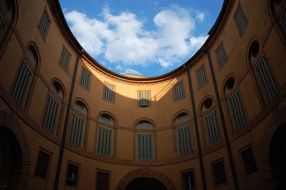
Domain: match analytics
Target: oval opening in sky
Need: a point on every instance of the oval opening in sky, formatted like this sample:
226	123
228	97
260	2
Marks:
143	37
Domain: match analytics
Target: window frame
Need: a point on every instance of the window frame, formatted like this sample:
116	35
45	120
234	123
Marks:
47	174
49	23
109	90
201	68
239	12
221	51
77	176
140	94
215	163
192	171
243	161
68	59
109	179
178	86
85	82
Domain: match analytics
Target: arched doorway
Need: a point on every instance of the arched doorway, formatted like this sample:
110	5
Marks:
145	179
277	157
11	160
145	183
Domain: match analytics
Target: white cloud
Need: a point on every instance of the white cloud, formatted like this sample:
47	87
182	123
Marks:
197	42
200	16
122	39
131	71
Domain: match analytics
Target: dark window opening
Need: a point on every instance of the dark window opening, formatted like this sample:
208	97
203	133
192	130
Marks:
42	164
249	161
71	178
188	181
102	181
219	172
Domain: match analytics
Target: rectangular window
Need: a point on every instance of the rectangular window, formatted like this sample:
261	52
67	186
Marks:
236	110
51	117
240	20
42	165
77	130
283	19
178	91
22	85
85	77
188	180
183	138
219	172
201	76
144	97
104	141
64	60
145	146
2	25
44	24
211	129
266	81
72	172
221	55
248	160
102	180
108	92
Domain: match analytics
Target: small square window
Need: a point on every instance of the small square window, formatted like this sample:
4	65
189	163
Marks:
144	97
42	165
248	160
72	172
188	180
102	180
219	172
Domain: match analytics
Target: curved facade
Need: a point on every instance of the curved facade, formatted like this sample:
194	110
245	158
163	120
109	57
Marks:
216	122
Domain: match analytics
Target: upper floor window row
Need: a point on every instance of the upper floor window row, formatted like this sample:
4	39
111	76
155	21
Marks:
144	97
201	77
65	58
109	92
85	78
221	55
240	19
178	91
44	24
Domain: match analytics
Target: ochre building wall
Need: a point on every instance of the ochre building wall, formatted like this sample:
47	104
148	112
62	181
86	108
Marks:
264	25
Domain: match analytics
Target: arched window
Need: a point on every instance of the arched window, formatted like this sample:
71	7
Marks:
78	124
144	125
145	141
182	117
234	103
53	108
210	122
263	73
104	137
24	77
183	134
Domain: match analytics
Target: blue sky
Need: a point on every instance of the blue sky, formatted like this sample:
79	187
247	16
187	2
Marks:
145	37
